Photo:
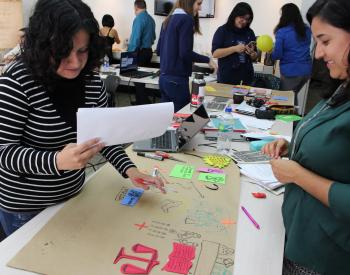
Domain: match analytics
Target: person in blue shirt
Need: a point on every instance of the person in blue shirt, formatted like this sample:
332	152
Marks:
175	47
233	45
141	40
292	48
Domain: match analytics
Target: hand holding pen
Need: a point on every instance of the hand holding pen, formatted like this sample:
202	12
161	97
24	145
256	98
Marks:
145	181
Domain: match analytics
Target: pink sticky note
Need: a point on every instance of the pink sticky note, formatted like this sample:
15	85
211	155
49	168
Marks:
180	259
210	170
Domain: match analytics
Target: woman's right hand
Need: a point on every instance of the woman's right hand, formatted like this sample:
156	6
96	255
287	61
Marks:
240	48
213	65
276	149
76	156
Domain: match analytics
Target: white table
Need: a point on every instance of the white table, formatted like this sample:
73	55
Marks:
150	81
258	252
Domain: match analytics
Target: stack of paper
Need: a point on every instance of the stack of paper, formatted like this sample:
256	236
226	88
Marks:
262	175
123	125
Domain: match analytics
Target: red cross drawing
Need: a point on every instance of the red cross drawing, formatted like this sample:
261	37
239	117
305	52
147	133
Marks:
141	226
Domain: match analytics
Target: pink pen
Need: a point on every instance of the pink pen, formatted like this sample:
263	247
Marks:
149	183
250	217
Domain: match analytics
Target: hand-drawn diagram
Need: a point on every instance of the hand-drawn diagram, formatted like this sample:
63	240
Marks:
187	237
214	257
132	269
205	218
167	204
121	194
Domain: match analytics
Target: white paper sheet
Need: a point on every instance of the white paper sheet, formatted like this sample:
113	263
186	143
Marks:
123	125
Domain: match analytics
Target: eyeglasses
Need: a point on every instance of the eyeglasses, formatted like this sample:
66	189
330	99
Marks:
245	18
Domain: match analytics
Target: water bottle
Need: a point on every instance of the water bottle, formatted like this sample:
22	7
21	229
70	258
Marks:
106	63
241	56
126	43
197	91
223	145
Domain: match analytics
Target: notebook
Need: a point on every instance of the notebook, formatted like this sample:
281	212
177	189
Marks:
175	139
128	66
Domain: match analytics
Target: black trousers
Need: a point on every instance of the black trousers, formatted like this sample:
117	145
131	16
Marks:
144	57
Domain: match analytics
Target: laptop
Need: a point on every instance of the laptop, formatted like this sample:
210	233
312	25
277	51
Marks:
175	139
128	66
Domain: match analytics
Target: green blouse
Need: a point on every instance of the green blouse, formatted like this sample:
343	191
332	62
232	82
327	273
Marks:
318	236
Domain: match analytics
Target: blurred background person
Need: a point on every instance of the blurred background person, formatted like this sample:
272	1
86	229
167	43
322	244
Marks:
234	46
292	48
175	47
110	35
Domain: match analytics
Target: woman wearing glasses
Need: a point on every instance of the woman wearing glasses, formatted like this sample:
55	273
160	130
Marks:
234	46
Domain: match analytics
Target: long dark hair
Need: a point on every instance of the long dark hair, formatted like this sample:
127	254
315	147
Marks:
241	9
49	37
335	13
187	6
291	16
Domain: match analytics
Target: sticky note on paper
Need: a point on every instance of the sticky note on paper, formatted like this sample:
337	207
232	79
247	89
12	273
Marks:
282	98
132	197
180	259
182	171
288	118
213	178
210	170
210	89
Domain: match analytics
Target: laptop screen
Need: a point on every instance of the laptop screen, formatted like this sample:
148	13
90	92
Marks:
192	125
128	61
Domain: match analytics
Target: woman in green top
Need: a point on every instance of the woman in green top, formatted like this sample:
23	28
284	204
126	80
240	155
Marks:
316	208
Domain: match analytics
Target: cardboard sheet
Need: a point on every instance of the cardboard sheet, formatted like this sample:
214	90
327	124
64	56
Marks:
85	236
11	22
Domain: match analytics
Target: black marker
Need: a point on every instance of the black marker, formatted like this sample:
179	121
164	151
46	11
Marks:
150	156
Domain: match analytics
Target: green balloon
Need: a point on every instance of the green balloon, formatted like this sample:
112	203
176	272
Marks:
264	43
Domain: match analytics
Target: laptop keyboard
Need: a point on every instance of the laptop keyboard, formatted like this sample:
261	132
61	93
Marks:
137	74
162	142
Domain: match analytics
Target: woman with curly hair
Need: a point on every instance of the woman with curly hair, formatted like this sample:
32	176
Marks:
40	92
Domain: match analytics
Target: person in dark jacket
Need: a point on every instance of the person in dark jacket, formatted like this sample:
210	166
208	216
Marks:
292	48
175	47
316	207
234	45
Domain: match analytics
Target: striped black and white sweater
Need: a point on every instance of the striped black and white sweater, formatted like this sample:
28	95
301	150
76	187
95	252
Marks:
32	132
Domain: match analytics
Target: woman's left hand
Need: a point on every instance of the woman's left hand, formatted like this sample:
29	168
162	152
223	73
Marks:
285	171
251	52
138	177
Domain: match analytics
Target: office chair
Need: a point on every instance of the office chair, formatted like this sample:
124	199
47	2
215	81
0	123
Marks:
111	83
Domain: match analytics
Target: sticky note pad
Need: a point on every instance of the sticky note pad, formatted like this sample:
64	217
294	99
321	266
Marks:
282	98
132	196
182	171
210	89
213	178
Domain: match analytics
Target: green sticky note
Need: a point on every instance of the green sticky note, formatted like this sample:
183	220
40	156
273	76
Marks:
288	118
213	178
182	171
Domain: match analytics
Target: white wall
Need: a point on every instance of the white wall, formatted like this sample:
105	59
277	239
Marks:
266	15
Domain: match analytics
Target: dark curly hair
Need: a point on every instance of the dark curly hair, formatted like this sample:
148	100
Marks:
49	37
